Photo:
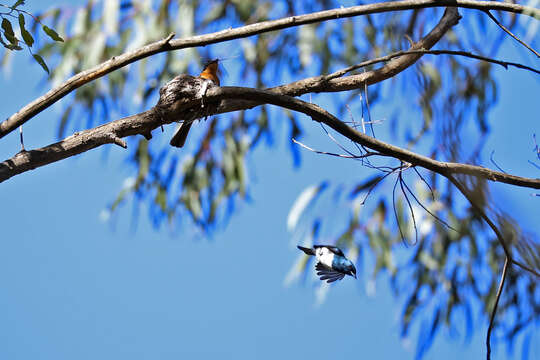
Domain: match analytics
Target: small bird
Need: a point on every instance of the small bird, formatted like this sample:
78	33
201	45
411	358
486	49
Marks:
332	264
210	72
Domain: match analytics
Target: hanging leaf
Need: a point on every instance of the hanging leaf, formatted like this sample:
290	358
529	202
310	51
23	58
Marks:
41	62
8	29
302	202
18	3
27	37
52	34
8	32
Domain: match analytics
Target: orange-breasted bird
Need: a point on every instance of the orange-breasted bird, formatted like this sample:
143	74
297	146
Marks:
210	72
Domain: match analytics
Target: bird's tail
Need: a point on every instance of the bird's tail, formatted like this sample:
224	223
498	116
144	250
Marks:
308	251
180	135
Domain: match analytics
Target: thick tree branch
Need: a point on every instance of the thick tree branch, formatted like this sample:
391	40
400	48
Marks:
321	115
76	81
110	133
145	122
334	83
25	161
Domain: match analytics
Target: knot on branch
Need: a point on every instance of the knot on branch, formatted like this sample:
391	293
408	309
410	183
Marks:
115	139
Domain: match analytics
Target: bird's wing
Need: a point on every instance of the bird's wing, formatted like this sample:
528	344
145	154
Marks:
332	248
327	273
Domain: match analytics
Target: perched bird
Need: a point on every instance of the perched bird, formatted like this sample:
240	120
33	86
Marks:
210	72
332	264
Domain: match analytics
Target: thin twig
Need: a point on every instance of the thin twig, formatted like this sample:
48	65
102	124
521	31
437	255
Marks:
536	147
350	156
494	311
368	111
525	267
395	212
511	34
377	183
494	163
339	145
426	209
425	182
396	54
401	182
486	218
329	153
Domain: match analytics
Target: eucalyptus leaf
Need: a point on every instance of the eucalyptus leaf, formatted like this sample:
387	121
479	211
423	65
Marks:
18	3
52	34
41	62
27	37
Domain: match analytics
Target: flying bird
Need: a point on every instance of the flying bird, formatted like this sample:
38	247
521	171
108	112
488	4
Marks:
332	264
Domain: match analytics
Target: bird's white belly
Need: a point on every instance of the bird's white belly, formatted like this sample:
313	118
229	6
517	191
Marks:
325	256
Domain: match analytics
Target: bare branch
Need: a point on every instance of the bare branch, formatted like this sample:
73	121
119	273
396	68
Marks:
511	34
401	182
490	223
322	84
80	142
330	153
167	44
145	122
321	115
494	311
425	208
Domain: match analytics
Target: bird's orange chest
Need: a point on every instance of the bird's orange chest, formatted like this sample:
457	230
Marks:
210	73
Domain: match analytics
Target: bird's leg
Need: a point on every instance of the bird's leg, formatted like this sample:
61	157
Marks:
22	139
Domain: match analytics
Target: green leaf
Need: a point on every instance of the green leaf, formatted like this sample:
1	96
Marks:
41	62
302	202
8	29
52	34
13	47
161	198
27	37
8	32
18	3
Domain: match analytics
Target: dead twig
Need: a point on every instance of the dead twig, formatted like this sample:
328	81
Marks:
494	311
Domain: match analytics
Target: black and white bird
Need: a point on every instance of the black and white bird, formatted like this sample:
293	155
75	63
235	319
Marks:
332	264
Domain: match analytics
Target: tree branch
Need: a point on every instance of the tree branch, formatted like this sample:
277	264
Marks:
167	44
511	34
110	133
320	115
494	311
29	160
332	83
145	122
504	64
490	223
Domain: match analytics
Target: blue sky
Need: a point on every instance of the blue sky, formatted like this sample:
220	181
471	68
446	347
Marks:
74	287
